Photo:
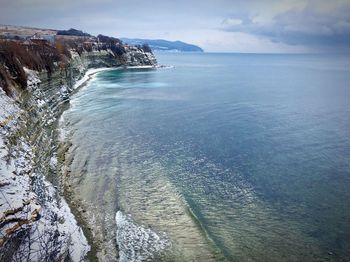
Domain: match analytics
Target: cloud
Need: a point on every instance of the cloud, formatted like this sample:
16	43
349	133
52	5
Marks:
226	25
310	26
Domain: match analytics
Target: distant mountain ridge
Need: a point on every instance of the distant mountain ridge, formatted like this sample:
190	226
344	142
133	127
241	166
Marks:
163	45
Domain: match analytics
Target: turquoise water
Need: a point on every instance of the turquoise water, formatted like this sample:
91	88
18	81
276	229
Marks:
219	157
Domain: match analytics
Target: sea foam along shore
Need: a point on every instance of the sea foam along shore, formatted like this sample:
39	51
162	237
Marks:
137	243
91	72
88	76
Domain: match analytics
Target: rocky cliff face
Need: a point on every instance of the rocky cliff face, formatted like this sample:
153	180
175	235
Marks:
136	56
35	221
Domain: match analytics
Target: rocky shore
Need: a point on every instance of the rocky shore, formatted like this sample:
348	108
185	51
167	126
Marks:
36	223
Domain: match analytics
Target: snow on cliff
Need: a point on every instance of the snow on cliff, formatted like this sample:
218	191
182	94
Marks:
31	226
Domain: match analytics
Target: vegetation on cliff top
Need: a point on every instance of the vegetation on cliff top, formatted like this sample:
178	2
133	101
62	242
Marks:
36	55
44	52
72	31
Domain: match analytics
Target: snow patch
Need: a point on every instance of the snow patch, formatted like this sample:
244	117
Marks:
28	203
32	78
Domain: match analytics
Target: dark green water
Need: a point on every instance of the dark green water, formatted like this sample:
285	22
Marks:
223	156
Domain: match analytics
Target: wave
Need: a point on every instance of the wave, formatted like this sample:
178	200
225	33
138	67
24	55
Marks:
141	67
165	66
137	243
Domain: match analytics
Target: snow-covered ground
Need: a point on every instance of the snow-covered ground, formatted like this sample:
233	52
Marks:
44	224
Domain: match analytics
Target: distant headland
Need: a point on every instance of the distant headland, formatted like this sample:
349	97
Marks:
163	45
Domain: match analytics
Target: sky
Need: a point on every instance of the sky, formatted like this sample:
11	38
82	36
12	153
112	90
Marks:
253	26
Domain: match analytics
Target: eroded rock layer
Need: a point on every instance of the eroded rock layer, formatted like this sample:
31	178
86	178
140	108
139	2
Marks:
36	80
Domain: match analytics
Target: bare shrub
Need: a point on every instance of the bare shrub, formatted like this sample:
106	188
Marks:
37	240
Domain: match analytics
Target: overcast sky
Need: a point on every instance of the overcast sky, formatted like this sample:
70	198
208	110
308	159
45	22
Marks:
215	25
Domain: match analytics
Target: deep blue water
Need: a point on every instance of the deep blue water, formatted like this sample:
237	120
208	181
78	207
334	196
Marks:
255	149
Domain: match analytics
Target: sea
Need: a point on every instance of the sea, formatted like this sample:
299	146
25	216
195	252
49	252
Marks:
217	157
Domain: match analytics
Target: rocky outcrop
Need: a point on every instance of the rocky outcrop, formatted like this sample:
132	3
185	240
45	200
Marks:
136	56
35	221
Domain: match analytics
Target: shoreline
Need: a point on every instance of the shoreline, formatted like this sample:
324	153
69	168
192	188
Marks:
68	196
75	203
65	158
14	167
33	97
90	73
64	143
82	210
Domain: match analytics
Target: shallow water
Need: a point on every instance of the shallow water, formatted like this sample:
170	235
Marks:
223	156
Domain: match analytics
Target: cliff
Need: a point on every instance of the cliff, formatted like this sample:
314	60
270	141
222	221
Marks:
37	78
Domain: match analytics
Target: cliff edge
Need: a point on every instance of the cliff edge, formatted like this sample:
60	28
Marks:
39	70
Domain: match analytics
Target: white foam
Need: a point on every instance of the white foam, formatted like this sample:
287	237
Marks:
165	66
89	74
137	243
141	67
32	78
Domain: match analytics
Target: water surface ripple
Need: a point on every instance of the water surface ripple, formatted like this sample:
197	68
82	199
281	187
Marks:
222	157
